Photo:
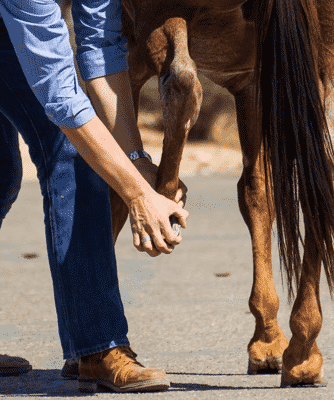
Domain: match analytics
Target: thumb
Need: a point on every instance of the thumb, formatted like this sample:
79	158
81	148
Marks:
179	194
181	216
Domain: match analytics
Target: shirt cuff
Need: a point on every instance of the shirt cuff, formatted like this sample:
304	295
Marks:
103	61
72	113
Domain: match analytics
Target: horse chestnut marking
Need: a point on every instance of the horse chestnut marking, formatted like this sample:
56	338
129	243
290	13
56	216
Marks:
30	256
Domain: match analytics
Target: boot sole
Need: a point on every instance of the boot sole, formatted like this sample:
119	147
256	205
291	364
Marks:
15	371
88	385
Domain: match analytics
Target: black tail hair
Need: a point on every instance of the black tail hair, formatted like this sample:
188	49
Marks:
297	143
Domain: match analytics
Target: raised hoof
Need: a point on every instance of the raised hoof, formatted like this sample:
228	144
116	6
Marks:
303	379
270	365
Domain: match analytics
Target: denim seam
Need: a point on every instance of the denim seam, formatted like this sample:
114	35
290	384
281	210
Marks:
97	349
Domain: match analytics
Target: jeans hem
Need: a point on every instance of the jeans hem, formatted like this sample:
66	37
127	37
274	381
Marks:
97	349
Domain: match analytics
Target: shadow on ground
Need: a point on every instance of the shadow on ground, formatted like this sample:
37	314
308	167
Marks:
39	383
49	383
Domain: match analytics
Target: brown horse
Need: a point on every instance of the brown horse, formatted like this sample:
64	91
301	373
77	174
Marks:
275	57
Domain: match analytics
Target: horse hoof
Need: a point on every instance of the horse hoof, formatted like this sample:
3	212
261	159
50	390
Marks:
303	379
269	365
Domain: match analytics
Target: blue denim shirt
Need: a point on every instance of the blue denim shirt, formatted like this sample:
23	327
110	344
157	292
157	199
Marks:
41	40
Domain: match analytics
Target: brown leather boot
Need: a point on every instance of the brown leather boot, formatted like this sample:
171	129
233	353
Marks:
71	368
12	366
118	370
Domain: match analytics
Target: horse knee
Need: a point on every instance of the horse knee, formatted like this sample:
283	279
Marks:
181	93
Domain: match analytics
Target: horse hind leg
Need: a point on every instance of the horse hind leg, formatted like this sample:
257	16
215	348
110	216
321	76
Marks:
302	360
268	343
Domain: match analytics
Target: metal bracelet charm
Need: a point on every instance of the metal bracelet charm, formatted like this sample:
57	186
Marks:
139	154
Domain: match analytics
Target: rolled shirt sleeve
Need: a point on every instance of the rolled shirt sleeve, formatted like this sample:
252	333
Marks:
41	41
101	47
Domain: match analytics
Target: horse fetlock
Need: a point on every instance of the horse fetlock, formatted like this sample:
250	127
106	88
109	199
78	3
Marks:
265	353
167	189
305	330
298	370
261	350
299	352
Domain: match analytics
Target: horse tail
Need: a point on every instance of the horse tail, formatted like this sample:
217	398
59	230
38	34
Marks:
290	80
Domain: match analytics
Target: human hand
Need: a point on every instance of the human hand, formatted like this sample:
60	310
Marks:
150	224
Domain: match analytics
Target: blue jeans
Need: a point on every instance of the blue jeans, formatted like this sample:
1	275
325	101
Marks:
77	216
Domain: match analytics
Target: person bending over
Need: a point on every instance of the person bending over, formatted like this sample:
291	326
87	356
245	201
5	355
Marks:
80	147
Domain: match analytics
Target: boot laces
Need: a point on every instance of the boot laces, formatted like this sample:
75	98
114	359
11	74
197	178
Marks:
129	352
130	355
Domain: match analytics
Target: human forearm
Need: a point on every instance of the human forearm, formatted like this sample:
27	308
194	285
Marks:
101	151
112	100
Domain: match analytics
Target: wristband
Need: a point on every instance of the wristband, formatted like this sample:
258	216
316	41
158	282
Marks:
139	154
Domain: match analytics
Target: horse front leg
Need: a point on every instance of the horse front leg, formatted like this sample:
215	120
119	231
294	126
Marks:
302	360
268	343
181	98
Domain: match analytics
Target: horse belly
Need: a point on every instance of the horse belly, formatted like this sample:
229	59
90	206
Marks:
219	4
223	46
